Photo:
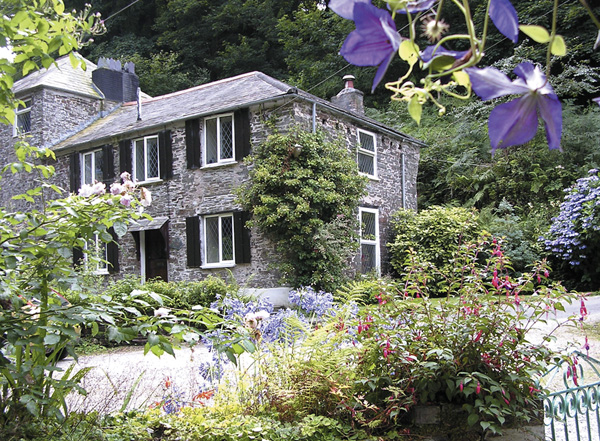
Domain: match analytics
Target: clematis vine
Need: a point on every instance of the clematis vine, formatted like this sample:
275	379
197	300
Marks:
516	122
375	39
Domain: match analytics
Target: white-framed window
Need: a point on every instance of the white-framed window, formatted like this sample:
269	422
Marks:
95	258
367	153
219	139
23	118
146	161
369	239
218	240
91	167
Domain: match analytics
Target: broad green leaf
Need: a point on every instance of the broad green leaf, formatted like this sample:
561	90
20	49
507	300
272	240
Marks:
415	109
120	228
409	52
472	419
51	339
536	33
559	48
462	78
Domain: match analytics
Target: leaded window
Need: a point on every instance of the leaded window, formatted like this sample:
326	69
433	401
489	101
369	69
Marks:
146	160
367	153
369	240
218	239
219	140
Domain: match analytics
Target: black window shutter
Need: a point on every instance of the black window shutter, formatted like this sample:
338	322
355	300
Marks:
192	229
125	156
77	256
165	153
242	133
192	143
75	172
112	253
108	165
242	237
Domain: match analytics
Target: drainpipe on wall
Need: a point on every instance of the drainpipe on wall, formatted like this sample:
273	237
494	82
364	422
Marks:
402	158
314	117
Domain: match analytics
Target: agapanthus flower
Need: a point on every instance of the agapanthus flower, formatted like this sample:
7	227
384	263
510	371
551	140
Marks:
516	122
505	18
374	41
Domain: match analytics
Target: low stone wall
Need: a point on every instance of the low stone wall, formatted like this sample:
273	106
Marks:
449	423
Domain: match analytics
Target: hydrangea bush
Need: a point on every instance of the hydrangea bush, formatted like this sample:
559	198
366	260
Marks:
574	236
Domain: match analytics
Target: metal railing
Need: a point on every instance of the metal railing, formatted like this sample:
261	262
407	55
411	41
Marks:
574	412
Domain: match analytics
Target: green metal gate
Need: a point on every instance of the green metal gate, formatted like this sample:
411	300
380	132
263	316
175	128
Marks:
573	414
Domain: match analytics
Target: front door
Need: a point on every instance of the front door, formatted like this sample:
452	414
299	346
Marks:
153	255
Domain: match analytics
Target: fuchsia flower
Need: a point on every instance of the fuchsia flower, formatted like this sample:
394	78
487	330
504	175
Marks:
375	39
516	122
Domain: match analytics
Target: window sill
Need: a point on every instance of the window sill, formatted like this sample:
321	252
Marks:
218	265
218	165
151	182
370	177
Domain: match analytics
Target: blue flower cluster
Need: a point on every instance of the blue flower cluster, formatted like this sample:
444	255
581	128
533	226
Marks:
578	222
312	303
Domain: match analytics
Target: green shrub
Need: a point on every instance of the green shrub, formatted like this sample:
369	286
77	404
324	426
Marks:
434	234
205	292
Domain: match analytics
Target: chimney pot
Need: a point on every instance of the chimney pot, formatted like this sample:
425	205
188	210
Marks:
349	79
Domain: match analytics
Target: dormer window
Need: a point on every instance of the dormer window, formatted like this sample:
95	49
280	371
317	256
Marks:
367	153
219	139
23	118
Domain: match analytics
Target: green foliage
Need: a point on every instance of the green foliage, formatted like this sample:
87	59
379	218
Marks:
364	291
305	204
38	32
435	234
520	246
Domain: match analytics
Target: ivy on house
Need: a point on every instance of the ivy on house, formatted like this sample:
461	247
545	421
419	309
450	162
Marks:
303	193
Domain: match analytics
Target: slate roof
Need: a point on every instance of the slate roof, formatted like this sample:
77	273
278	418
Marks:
211	98
61	76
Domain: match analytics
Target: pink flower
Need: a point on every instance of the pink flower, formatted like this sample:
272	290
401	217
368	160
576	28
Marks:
478	388
116	189
461	386
85	191
126	200
146	197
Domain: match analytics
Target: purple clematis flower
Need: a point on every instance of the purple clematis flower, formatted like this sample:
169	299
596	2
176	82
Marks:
345	8
417	6
505	18
374	41
516	122
429	55
596	100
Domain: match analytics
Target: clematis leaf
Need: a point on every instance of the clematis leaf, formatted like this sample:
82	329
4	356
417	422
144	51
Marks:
559	48
505	18
538	34
461	78
409	52
415	109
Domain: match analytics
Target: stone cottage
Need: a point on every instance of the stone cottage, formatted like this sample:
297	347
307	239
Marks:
187	148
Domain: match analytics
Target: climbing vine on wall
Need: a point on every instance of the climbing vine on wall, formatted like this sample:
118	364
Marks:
303	194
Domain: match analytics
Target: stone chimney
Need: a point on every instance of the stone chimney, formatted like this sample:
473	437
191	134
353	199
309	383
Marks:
117	83
349	97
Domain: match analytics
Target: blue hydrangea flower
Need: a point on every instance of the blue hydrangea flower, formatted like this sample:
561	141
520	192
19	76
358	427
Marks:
374	41
516	122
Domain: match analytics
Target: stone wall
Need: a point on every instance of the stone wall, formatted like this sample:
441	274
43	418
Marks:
53	115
